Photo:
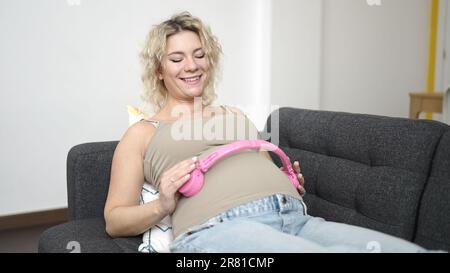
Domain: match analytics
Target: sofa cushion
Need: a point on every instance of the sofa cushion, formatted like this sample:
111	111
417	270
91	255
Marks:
363	170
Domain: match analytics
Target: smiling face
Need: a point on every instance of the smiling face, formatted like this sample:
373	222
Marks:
184	69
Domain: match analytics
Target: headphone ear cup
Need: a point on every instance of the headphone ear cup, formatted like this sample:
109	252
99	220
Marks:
193	185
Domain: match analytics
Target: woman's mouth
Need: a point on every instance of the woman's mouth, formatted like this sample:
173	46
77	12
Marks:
194	80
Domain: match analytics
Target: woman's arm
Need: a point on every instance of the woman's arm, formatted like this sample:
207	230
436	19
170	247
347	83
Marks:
124	216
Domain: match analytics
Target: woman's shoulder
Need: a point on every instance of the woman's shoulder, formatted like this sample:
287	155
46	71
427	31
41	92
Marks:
142	127
138	135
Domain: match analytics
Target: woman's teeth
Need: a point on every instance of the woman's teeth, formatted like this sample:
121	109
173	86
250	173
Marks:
191	80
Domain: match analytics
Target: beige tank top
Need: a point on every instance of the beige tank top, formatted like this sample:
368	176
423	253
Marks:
232	181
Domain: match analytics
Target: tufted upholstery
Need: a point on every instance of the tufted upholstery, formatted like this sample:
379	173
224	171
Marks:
388	174
433	226
87	196
372	171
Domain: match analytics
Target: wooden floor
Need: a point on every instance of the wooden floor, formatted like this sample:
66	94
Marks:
23	240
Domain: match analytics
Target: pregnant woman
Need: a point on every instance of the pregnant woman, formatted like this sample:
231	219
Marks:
246	203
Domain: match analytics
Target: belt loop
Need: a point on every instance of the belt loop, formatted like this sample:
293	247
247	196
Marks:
305	209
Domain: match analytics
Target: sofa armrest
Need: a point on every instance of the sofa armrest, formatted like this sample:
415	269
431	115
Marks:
88	174
85	236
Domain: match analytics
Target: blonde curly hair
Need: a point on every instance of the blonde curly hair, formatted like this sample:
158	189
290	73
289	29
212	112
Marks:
154	91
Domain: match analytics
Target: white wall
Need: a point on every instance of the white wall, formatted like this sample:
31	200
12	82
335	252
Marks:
373	56
440	46
445	68
443	65
67	73
286	45
296	53
246	39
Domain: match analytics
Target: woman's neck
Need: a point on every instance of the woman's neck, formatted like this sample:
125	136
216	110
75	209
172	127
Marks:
174	110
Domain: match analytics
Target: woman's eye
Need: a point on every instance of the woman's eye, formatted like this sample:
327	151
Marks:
176	61
200	56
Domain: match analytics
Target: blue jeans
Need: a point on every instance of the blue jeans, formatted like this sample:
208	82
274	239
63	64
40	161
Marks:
279	223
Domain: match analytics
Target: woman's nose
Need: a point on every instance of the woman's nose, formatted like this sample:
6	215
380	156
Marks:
191	65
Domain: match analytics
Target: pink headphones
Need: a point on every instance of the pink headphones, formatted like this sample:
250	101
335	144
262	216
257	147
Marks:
195	183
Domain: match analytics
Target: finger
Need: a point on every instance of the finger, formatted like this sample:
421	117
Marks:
180	182
301	179
177	196
187	164
191	160
183	164
180	169
179	175
301	191
296	167
183	170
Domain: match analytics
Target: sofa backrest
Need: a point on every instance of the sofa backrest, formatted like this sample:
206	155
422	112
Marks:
88	173
433	226
366	170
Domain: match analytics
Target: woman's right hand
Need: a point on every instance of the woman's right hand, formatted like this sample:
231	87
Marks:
301	187
171	180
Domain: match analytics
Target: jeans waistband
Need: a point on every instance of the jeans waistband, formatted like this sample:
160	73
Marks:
274	203
279	203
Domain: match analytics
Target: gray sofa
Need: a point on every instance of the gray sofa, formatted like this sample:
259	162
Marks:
387	174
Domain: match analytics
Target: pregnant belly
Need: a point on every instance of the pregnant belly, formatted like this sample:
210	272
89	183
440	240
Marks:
239	178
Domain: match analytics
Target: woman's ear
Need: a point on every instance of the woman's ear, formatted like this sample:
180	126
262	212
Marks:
159	73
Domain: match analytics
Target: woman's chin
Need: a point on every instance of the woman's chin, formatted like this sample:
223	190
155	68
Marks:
194	93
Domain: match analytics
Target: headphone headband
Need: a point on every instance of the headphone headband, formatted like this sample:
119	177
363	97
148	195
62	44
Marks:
195	182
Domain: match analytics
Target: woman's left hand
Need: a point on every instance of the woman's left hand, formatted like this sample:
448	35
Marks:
301	179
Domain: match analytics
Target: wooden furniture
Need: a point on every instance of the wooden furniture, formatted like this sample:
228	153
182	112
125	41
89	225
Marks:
425	102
